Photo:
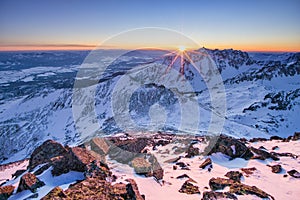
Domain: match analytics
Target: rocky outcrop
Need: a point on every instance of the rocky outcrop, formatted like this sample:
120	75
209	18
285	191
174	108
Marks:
234	175
212	195
220	183
192	151
242	189
262	154
6	191
29	182
230	147
94	188
248	171
141	166
45	152
189	188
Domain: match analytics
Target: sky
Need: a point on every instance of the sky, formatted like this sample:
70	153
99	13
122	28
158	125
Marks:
256	25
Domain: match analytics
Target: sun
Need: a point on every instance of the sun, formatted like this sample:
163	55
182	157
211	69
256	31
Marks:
181	48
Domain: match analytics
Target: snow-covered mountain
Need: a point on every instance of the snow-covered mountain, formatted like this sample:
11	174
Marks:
36	99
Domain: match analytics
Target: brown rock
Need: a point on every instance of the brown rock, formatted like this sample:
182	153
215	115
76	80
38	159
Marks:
43	154
241	189
220	183
189	188
211	195
55	194
99	145
141	166
229	146
284	154
29	182
234	175
6	191
206	163
294	173
248	171
192	151
276	168
275	148
262	155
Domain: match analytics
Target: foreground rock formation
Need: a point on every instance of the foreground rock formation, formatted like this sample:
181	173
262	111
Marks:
128	168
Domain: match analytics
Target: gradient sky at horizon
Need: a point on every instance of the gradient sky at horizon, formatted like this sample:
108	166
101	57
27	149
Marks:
258	25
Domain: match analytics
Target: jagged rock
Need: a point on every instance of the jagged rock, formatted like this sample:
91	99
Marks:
241	189
43	154
276	168
18	173
231	147
234	175
275	137
294	173
135	190
220	183
76	159
206	163
182	166
157	170
182	176
6	191
189	188
212	195
296	136
258	140
248	171
141	166
192	151
284	154
29	182
262	155
55	194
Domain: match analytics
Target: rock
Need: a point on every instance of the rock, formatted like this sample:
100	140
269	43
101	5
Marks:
6	191
294	173
174	167
141	166
211	195
275	148
276	168
220	183
206	163
182	176
192	151
189	188
135	190
173	160
55	194
284	154
234	175
18	173
43	154
262	155
248	171
296	136
157	170
76	159
258	140
275	137
183	166
29	182
230	147
263	148
242	189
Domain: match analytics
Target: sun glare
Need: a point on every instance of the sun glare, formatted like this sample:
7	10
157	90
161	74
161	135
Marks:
181	48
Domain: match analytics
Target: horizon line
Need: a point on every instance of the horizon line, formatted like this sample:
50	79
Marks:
90	47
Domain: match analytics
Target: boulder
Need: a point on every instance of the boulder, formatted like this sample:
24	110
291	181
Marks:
294	173
43	154
220	183
189	188
276	168
141	166
234	175
230	147
212	195
29	182
262	154
242	189
206	163
99	145
192	151
248	171
6	191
